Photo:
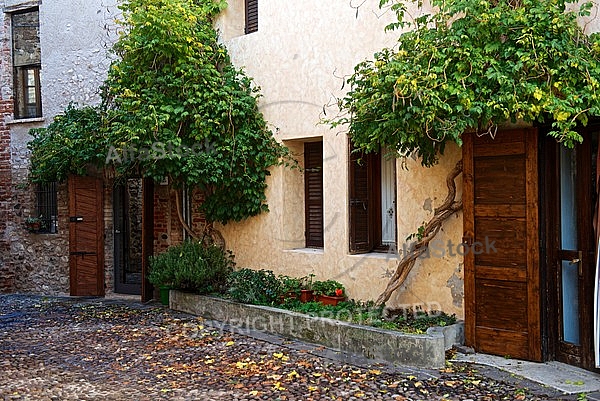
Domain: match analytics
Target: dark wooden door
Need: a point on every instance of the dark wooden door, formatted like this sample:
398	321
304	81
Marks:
500	194
570	190
86	236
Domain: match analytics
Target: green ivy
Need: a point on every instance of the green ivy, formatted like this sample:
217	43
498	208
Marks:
175	107
473	65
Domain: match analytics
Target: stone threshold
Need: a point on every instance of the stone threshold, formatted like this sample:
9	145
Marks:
417	350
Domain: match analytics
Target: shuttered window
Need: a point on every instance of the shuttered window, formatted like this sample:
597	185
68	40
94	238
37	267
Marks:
313	194
251	16
372	206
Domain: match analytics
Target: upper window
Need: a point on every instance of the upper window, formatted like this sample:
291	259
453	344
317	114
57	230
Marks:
251	7
313	194
26	63
372	190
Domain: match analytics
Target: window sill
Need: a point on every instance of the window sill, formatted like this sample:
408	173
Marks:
26	120
313	251
376	255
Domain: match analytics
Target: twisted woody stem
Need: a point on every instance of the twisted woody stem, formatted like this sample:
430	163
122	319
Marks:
450	206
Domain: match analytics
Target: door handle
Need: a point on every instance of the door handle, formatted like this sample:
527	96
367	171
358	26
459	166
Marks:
577	261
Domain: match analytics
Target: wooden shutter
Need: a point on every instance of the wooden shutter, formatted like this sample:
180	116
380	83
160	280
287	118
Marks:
361	202
500	195
251	16
313	193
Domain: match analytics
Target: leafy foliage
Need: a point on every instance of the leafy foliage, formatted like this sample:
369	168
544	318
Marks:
193	267
68	145
173	106
256	287
472	66
328	287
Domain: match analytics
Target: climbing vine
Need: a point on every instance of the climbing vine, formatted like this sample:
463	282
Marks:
473	65
173	106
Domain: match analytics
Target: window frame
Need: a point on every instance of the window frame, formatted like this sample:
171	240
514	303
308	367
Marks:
365	203
22	104
24	108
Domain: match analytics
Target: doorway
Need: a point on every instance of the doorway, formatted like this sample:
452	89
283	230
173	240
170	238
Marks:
127	231
500	198
569	202
86	239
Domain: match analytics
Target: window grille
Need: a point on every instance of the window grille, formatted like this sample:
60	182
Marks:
47	207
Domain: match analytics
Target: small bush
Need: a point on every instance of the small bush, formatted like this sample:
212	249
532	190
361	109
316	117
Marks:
257	287
190	266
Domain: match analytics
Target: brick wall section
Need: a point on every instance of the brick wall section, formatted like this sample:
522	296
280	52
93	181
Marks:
7	268
167	228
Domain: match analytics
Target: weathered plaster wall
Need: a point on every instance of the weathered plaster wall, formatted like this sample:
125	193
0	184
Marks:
300	57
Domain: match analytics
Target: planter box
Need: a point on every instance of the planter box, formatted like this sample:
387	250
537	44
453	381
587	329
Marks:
425	351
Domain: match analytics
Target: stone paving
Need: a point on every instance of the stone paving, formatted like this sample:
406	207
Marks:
64	348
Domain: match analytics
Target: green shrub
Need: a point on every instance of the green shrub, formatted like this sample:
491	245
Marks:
329	287
257	287
190	266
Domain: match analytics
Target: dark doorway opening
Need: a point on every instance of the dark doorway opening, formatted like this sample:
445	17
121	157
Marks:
127	215
569	200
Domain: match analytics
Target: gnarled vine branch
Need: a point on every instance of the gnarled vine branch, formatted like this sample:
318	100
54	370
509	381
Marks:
450	206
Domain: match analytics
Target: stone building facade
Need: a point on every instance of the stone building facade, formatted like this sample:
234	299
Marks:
66	44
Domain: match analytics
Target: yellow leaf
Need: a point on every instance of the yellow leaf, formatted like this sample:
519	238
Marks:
278	355
209	361
229	344
241	365
253	392
375	372
312	388
317	374
278	386
537	94
293	373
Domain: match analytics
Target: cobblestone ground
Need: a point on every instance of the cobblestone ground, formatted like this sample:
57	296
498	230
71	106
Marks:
93	349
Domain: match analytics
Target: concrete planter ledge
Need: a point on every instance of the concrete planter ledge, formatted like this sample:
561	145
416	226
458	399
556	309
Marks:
424	351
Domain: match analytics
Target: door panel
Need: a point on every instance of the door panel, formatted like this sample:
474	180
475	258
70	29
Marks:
570	248
86	237
502	302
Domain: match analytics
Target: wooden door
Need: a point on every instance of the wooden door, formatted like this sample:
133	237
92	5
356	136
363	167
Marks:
502	295
86	236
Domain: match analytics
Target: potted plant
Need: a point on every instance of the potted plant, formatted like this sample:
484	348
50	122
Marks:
33	224
291	287
329	292
306	288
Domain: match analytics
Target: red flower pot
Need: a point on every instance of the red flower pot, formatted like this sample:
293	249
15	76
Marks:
330	300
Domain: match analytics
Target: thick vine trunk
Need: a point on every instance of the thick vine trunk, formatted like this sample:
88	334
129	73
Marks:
210	235
447	209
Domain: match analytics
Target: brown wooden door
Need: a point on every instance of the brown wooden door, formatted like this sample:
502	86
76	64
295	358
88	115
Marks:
502	295
86	236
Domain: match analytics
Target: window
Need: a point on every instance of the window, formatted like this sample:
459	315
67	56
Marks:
313	194
26	63
46	207
251	7
372	190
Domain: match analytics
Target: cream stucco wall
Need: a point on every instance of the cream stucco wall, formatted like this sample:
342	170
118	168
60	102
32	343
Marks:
300	57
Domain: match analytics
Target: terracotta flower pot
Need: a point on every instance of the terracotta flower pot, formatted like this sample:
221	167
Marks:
306	295
330	300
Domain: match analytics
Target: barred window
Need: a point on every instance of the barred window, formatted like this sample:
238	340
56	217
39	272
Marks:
47	207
